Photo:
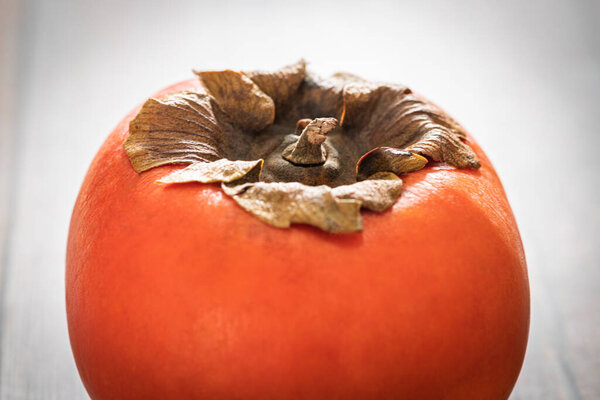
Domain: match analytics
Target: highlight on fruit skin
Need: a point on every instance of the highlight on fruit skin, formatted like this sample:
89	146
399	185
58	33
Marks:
290	119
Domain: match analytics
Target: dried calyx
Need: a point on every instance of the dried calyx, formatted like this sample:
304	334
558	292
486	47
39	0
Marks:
290	147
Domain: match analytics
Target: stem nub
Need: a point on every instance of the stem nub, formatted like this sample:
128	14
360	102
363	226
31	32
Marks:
308	150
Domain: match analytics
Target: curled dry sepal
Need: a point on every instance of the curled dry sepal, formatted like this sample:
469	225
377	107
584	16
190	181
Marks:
290	147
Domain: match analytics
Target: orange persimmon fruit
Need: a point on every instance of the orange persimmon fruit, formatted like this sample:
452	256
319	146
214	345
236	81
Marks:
174	291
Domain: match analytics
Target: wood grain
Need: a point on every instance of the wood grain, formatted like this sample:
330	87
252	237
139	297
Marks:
522	77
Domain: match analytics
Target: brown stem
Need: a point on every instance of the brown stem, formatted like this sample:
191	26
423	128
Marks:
308	150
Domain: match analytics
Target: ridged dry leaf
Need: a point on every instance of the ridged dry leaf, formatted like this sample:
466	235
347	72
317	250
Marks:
218	171
318	97
282	84
241	99
335	210
388	159
282	203
181	128
438	145
378	193
392	116
362	99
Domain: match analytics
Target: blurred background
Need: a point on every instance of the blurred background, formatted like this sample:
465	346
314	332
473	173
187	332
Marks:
522	77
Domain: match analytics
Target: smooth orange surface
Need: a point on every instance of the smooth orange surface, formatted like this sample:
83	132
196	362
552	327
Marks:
175	292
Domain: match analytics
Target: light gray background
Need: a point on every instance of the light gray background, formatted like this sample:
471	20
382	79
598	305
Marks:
523	77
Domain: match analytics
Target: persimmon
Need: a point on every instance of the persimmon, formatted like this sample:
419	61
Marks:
256	235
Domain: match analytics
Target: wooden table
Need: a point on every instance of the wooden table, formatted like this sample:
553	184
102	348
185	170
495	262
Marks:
523	77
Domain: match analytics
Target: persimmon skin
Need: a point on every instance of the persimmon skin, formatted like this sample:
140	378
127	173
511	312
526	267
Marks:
176	292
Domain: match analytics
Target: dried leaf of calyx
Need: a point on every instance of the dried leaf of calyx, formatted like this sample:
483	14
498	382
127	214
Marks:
222	170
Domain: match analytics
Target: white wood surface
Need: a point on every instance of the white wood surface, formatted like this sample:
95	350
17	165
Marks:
523	77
